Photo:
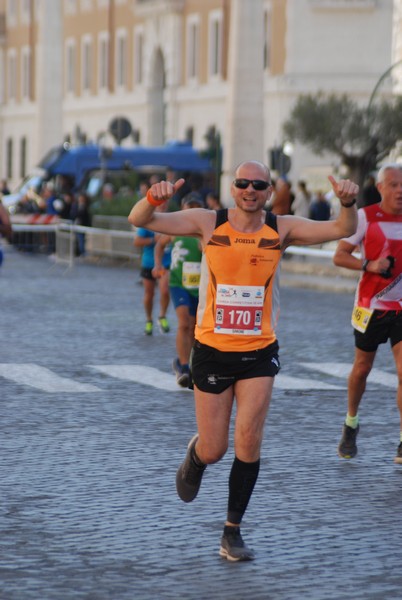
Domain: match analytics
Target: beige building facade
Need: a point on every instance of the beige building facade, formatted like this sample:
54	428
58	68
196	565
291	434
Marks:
176	69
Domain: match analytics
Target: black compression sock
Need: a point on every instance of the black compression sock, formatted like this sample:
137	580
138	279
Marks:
242	479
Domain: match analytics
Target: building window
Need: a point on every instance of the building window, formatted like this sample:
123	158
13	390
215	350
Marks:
103	54
11	9
26	73
9	158
36	8
12	75
2	77
215	44
193	41
86	64
138	55
267	40
25	11
23	157
70	67
121	59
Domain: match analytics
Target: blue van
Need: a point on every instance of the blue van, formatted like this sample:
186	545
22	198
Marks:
86	166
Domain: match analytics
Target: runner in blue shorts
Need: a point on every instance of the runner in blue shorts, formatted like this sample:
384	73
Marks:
184	282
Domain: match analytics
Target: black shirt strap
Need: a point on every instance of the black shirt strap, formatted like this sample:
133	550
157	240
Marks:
270	220
221	217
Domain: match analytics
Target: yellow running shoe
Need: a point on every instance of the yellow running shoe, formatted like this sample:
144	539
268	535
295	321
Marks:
163	325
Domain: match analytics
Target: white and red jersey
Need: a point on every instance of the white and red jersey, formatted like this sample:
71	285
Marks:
379	235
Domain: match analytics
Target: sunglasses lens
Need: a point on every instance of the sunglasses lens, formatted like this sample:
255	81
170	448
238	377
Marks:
258	184
242	184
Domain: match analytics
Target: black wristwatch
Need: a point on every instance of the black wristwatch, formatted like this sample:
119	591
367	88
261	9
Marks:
365	263
349	204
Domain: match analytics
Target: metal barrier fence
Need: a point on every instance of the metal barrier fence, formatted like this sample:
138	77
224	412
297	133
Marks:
35	238
61	239
98	243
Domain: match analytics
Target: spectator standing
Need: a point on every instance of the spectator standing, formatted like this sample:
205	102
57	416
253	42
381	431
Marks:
49	199
194	184
4	189
320	208
370	193
212	201
68	206
33	203
282	198
143	187
82	217
301	203
6	230
27	206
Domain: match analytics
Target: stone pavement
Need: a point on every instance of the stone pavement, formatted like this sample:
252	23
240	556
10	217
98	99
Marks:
88	504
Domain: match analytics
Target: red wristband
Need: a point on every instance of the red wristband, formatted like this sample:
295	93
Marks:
152	200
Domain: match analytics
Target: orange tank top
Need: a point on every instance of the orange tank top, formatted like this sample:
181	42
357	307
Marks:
239	296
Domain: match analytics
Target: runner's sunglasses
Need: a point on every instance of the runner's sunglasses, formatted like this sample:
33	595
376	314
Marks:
258	184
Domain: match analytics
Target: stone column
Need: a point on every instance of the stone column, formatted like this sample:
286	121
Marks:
244	135
49	76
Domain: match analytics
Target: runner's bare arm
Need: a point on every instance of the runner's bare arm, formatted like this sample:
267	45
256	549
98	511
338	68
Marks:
343	257
141	242
300	231
147	213
163	241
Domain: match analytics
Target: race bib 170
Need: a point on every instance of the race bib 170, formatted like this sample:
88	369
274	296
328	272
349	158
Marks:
239	309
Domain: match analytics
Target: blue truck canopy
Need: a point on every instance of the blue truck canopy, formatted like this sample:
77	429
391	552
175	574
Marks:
77	162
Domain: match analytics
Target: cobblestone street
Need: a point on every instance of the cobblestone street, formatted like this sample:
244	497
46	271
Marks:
90	447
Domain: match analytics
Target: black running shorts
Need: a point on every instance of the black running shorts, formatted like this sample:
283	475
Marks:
214	371
147	274
383	326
